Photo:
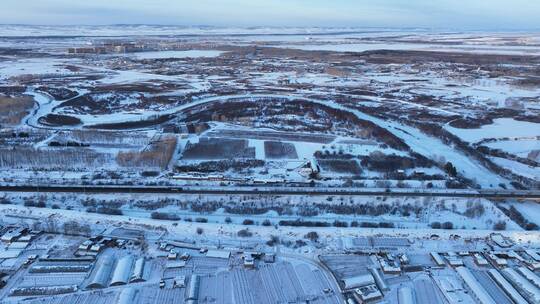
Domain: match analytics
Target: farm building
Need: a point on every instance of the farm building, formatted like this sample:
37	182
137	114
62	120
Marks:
379	279
406	296
438	259
367	293
122	271
192	292
102	273
221	254
126	296
477	291
507	287
529	275
528	290
138	271
358	281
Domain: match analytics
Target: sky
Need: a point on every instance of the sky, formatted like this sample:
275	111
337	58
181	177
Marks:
449	14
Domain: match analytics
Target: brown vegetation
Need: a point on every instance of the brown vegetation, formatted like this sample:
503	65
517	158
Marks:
158	155
12	110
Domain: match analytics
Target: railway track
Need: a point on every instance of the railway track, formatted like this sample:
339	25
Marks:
247	190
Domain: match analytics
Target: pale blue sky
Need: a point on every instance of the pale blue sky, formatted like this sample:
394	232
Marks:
456	14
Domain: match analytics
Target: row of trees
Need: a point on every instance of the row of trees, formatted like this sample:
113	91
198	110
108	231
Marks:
30	158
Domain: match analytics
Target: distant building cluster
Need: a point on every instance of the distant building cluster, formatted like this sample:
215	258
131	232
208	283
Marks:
110	48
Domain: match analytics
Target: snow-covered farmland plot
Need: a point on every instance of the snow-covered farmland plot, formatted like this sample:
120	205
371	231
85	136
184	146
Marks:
500	128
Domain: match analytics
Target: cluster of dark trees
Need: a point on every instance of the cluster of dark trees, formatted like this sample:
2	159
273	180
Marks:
221	165
104	210
164	216
68	143
370	209
244	233
336	223
445	225
517	217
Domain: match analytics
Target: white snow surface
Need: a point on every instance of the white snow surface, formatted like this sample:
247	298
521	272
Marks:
500	128
177	54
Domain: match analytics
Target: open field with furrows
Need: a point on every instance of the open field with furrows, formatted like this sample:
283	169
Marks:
277	150
68	160
218	148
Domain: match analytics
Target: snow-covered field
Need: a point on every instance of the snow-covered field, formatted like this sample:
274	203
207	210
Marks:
368	105
519	147
518	168
403	46
500	128
177	54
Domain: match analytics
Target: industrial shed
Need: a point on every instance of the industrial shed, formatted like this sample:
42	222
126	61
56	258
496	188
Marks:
192	292
103	272
126	296
378	279
406	296
528	290
477	291
358	281
138	271
219	254
507	287
529	275
122	271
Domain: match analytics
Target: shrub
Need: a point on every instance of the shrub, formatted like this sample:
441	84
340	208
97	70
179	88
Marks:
299	243
273	240
39	204
244	233
500	225
266	223
368	225
531	226
450	169
340	224
110	211
5	201
302	223
436	225
448	225
149	173
475	211
386	225
164	216
248	222
105	210
200	230
312	236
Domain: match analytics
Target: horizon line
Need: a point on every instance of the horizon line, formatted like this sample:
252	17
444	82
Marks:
423	28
